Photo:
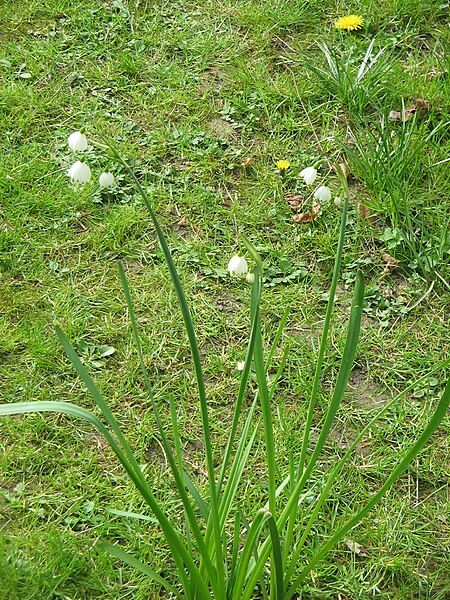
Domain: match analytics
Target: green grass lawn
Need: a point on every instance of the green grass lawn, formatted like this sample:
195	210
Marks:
202	98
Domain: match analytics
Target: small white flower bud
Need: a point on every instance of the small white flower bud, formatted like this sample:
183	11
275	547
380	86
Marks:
79	172
106	180
237	265
250	277
241	365
323	194
337	201
309	175
77	141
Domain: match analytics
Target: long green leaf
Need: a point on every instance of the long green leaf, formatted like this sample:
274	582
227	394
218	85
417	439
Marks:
264	396
196	360
139	566
254	308
336	470
249	547
321	355
181	478
99	400
341	384
277	559
179	552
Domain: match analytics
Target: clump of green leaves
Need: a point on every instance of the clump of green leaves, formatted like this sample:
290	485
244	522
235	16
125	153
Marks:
219	552
352	80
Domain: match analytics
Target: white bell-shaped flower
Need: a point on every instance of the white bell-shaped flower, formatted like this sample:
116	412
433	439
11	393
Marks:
240	365
77	141
250	277
106	180
79	172
309	175
237	265
323	194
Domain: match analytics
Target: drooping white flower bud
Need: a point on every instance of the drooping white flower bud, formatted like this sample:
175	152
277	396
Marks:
337	201
240	365
237	265
79	172
309	175
250	277
77	141
106	180
323	194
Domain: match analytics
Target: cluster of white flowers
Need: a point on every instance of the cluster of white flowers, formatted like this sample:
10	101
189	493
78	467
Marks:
80	172
322	193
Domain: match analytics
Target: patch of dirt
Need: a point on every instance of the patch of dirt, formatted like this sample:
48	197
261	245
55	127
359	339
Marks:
343	438
227	303
221	129
212	80
364	392
154	453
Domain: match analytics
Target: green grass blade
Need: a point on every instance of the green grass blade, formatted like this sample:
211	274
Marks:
131	515
139	566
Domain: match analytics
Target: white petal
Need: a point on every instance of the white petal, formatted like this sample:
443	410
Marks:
309	175
77	141
241	365
79	172
237	265
106	180
323	194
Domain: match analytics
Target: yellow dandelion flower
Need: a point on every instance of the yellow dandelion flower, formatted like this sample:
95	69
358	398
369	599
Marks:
282	165
349	22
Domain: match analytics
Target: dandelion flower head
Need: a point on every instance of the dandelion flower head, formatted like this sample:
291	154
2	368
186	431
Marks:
349	22
282	165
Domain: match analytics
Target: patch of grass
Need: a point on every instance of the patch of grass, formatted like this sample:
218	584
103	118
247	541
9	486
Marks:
189	91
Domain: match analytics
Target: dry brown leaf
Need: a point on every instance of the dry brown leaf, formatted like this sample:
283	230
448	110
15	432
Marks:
395	115
305	217
389	262
183	222
248	161
293	200
356	548
363	210
418	105
316	208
